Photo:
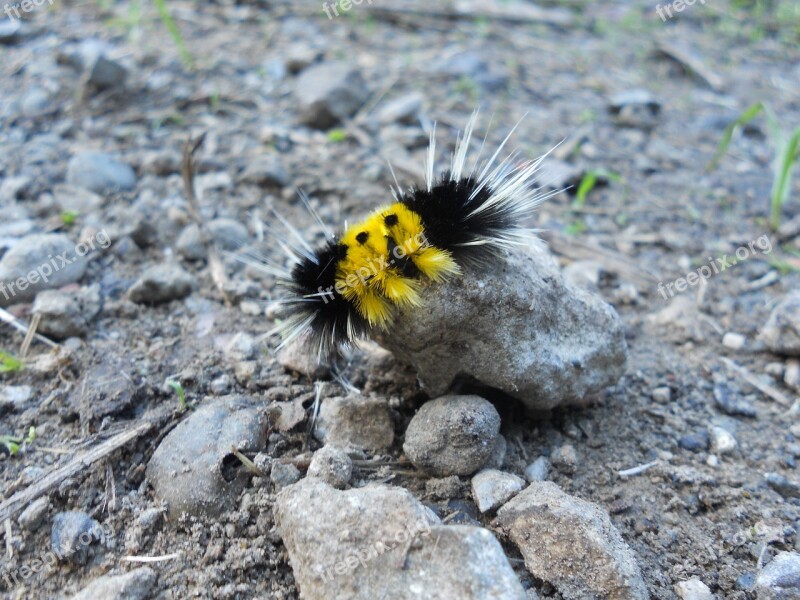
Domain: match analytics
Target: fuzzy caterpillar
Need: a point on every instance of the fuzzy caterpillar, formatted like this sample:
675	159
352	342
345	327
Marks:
343	290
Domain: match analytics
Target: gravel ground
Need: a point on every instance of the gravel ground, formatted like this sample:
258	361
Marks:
163	360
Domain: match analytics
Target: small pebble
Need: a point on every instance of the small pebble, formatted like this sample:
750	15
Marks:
662	395
693	589
734	341
332	465
283	475
161	283
33	516
537	470
492	488
780	579
565	458
791	376
779	483
72	534
722	440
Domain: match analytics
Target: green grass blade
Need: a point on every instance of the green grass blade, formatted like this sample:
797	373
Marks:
171	26
783	180
743	119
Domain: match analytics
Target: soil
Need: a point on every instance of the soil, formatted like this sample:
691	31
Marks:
663	212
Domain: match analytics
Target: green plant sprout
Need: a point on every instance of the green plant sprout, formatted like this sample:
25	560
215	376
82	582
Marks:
337	135
589	182
10	364
785	148
15	444
68	217
172	27
181	393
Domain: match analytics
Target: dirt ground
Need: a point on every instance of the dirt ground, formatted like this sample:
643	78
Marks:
661	215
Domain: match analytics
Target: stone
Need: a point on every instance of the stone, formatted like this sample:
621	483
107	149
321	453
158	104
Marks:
693	589
722	440
791	376
492	488
76	199
193	468
565	458
328	93
33	516
332	465
452	435
404	109
734	341
731	403
100	173
572	544
295	357
67	314
380	542
781	333
42	261
134	585
515	325
662	395
780	579
72	534
10	31
355	422
283	474
266	171
537	470
635	108
161	283
15	397
782	485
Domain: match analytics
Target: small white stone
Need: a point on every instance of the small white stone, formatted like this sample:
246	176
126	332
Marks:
791	376
492	488
537	470
722	441
712	460
734	341
662	395
250	308
694	589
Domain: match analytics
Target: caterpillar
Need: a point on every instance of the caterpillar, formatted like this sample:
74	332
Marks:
353	284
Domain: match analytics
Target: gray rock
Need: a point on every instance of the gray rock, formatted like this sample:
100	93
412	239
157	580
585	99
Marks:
295	357
444	488
722	440
404	109
781	333
283	474
100	173
732	404
693	589
190	244
77	199
38	262
298	55
161	283
452	435
135	585
635	108
228	234
782	485
10	31
572	544
537	470
331	465
516	326
15	397
33	516
791	376
328	93
473	65
780	579
90	57
662	395
380	542
266	171
565	458
193	468
492	488
355	421
67	314
72	534
498	455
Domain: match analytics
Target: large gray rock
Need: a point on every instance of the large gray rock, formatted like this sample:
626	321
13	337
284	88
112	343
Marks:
161	283
781	333
380	542
572	544
38	262
67	314
135	585
780	579
515	325
452	435
193	468
328	93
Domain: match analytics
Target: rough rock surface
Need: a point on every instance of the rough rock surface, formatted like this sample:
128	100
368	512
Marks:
72	534
491	488
328	93
572	544
193	468
355	421
66	314
135	585
517	326
452	435
331	465
781	333
780	579
380	542
161	283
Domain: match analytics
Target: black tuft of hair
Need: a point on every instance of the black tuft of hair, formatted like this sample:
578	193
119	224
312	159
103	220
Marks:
447	214
336	322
